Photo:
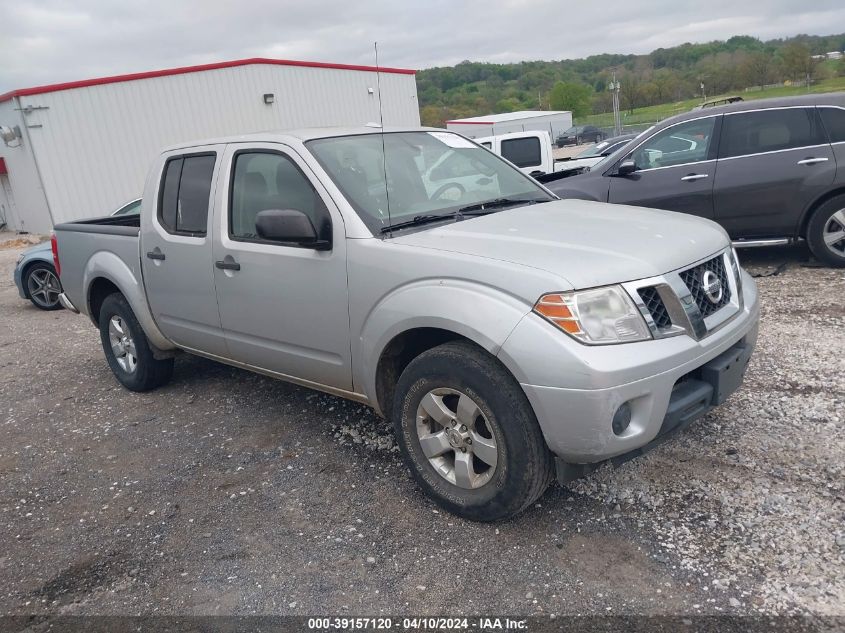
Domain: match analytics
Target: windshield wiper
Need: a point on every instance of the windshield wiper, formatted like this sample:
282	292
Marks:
482	208
425	219
498	203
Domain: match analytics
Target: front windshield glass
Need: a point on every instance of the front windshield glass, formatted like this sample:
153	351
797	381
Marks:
398	176
595	150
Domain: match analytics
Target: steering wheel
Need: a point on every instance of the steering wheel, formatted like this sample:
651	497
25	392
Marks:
455	190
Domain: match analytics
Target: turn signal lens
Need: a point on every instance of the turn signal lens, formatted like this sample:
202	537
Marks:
600	316
556	309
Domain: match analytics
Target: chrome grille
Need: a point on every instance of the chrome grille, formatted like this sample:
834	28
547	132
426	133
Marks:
694	280
654	304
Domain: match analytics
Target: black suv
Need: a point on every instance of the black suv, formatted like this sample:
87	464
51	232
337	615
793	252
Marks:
580	134
768	171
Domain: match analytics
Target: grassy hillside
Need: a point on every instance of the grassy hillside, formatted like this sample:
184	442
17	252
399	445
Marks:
652	114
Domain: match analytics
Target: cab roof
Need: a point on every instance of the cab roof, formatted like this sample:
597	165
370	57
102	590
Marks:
301	135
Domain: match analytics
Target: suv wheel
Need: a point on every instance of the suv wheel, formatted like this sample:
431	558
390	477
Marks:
578	140
127	350
468	433
826	232
43	287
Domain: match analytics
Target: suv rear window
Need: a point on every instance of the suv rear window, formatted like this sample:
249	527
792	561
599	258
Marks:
522	152
834	123
185	190
769	131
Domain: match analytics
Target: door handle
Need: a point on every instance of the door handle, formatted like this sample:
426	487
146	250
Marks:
694	177
156	254
812	161
227	265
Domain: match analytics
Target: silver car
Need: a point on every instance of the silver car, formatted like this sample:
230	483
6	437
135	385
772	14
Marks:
35	274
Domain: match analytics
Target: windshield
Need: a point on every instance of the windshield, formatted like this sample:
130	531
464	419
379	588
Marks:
595	150
397	176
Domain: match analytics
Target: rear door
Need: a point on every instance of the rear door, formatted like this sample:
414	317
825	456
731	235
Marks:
676	167
772	165
283	307
176	251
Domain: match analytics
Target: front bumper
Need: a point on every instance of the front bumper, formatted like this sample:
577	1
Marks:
691	398
18	276
575	390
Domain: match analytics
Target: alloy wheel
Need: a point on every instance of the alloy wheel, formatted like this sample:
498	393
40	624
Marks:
834	233
457	438
122	344
44	287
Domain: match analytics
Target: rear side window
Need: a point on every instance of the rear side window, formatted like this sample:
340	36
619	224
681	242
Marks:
522	152
185	192
769	131
834	123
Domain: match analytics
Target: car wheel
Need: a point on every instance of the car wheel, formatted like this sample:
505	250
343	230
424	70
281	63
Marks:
599	138
469	435
826	232
578	140
43	286
127	350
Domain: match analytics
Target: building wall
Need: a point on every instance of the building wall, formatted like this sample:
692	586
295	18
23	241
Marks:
24	204
94	144
554	124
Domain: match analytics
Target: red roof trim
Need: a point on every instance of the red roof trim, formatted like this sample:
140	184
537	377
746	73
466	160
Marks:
24	92
470	122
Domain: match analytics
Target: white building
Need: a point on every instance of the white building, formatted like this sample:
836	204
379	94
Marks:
553	122
82	149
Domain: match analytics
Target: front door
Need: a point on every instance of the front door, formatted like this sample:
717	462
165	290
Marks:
283	307
675	170
772	165
176	251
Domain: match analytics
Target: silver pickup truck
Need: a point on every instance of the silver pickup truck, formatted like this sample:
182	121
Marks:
509	336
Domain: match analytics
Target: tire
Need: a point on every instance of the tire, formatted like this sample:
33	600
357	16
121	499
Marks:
826	232
578	140
599	138
498	415
43	286
121	335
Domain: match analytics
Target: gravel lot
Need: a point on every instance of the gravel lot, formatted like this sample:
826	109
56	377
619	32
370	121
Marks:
227	492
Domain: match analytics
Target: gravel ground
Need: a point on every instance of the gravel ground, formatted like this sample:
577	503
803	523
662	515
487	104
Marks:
229	493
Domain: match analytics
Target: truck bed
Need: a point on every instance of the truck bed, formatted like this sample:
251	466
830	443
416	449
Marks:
100	247
109	225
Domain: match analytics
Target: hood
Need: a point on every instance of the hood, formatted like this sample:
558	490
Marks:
586	243
43	246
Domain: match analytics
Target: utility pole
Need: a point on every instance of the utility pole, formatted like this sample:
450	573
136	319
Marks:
617	119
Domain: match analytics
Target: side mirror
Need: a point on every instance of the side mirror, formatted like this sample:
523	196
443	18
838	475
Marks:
288	225
627	167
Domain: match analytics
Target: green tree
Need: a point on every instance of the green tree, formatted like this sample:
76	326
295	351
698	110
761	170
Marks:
574	97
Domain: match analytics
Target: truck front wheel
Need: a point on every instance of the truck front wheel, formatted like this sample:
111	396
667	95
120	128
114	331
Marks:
127	349
468	433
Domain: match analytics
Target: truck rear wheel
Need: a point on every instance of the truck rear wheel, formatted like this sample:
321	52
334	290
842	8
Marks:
469	435
126	347
826	232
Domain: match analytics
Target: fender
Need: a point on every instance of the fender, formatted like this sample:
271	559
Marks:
483	314
107	265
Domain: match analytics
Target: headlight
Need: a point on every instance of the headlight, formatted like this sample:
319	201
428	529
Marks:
601	316
736	269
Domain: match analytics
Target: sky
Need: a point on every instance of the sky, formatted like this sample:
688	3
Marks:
49	41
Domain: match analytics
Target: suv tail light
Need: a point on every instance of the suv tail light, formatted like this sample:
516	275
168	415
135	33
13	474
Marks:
54	246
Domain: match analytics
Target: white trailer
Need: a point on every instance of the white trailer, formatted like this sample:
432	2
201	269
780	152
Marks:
82	149
552	122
